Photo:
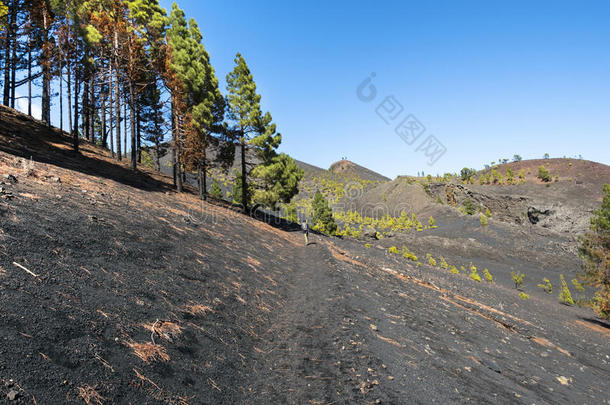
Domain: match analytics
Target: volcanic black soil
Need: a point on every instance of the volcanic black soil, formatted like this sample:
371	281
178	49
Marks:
115	289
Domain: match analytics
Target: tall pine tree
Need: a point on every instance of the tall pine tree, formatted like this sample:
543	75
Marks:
276	176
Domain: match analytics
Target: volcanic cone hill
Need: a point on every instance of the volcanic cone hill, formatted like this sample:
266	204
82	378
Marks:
116	289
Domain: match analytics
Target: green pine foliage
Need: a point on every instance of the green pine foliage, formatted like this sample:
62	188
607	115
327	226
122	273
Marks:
216	190
276	175
546	286
474	274
543	174
594	252
469	207
323	219
565	297
517	279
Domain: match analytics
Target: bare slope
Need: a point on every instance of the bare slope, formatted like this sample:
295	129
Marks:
114	289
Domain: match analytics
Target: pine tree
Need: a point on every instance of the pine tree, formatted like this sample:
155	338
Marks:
277	175
244	110
323	219
216	190
594	252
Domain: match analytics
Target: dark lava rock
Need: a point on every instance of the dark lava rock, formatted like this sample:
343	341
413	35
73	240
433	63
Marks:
10	178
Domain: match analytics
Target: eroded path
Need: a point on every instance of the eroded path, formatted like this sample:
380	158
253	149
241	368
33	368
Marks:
355	331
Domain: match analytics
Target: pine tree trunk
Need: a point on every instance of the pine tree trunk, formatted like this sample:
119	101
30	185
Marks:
139	135
244	175
46	70
132	116
69	87
110	108
117	92
85	103
205	182
7	62
92	113
61	89
30	67
200	181
14	8
76	117
103	116
125	125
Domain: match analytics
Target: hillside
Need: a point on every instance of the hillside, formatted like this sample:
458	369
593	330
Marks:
116	289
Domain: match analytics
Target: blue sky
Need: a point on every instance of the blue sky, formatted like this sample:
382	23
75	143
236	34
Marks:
488	79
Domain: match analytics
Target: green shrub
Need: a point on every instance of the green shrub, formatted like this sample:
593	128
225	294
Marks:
454	270
215	190
517	279
524	296
431	223
474	274
367	245
593	252
408	254
565	297
323	215
578	286
488	276
431	260
543	174
510	176
487	213
547	286
483	220
394	250
444	264
469	207
467	174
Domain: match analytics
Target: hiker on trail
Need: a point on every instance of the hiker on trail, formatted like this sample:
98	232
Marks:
305	228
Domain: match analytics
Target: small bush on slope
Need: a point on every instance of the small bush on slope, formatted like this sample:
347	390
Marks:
564	295
547	286
517	279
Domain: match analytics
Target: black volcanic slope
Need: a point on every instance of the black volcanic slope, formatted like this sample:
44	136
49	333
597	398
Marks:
121	291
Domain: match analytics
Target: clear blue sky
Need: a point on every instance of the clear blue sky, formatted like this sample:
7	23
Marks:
489	79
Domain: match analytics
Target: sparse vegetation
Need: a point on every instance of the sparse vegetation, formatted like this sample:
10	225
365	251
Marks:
483	220
394	250
431	260
474	274
469	207
543	174
546	286
467	174
431	223
322	215
215	190
524	296
488	276
565	297
594	251
517	279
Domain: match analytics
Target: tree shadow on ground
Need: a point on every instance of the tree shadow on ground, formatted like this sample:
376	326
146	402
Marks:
25	137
